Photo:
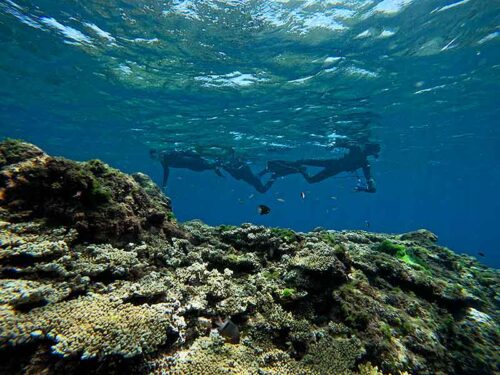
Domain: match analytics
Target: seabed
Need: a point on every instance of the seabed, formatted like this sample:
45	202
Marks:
98	277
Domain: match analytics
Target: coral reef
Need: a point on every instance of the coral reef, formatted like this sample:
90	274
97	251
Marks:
96	277
100	202
91	326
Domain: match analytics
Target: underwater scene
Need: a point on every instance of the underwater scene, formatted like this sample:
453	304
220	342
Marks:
249	187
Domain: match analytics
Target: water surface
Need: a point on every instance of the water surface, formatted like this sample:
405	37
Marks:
273	79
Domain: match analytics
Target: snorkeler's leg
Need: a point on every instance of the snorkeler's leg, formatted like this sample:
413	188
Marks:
313	162
268	184
318	177
166	173
263	172
371	186
255	181
367	172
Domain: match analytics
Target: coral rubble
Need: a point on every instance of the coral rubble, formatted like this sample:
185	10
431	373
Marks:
97	277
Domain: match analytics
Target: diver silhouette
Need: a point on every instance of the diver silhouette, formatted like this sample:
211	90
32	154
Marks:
281	168
240	170
356	158
187	159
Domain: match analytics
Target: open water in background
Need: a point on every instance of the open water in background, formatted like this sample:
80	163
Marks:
274	79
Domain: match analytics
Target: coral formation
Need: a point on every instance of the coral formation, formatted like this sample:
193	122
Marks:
103	282
100	202
91	326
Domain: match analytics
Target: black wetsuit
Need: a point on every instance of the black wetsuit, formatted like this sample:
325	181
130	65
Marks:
356	158
185	159
281	168
239	170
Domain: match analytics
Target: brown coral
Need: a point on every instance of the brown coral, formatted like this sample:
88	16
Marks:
102	203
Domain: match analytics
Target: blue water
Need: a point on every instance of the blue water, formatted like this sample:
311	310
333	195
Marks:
275	79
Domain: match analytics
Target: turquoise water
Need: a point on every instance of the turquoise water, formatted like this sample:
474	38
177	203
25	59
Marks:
273	80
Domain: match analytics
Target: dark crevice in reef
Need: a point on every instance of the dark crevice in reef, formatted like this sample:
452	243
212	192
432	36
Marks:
25	260
299	349
141	300
27	306
427	292
15	361
170	340
11	273
241	319
108	277
453	305
236	263
35	358
74	294
22	273
281	338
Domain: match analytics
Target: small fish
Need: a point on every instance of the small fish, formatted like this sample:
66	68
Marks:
303	195
228	330
78	194
481	254
280	200
332	197
251	196
367	223
263	209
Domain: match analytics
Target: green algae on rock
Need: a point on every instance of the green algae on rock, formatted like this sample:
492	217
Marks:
83	292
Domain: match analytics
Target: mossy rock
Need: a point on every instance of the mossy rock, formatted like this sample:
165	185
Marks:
287	235
329	238
100	202
288	292
226	228
14	151
402	253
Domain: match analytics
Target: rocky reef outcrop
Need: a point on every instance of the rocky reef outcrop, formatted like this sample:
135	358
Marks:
97	277
100	202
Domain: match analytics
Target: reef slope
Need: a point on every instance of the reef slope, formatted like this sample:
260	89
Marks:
97	277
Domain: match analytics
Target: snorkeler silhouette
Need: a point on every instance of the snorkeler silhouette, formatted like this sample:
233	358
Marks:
187	159
240	170
281	168
356	158
225	158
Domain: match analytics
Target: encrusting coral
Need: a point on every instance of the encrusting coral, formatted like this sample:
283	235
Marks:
96	277
92	326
